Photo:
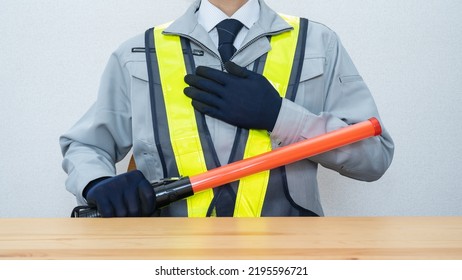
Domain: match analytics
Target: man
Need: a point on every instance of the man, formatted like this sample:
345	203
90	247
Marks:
203	92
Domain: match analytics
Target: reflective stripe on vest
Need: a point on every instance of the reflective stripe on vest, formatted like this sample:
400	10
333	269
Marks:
278	68
181	117
186	152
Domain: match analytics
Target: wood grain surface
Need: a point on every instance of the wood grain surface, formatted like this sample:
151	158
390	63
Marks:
385	238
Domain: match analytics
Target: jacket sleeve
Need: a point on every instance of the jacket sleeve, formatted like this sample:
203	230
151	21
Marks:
102	136
346	100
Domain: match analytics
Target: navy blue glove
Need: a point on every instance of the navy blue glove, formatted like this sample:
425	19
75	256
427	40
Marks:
240	97
125	195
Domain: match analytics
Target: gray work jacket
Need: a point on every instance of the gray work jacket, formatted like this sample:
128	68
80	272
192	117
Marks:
331	95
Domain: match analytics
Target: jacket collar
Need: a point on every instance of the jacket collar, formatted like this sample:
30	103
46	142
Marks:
268	23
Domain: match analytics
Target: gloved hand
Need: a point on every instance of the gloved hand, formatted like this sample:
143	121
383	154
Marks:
240	97
125	195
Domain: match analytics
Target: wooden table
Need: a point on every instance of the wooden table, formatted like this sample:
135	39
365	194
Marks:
232	238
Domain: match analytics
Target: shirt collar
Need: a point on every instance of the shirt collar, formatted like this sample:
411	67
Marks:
209	16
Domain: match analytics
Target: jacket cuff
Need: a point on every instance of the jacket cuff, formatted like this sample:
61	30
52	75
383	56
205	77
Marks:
291	121
78	180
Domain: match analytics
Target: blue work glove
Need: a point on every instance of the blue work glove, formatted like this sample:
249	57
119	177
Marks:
125	195
240	97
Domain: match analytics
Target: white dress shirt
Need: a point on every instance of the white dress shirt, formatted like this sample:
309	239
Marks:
209	16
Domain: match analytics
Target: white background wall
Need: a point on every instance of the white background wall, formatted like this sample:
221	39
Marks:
52	54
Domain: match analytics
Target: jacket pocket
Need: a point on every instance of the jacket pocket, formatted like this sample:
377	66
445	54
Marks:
311	87
312	68
350	79
139	71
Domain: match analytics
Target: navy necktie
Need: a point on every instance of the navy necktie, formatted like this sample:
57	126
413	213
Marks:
227	32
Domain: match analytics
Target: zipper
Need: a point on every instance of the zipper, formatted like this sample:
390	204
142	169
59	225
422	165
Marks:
200	44
258	38
237	51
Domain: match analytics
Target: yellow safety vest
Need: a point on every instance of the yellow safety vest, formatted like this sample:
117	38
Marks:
185	141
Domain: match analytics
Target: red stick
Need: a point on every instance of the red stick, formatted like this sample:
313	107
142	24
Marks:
187	186
286	155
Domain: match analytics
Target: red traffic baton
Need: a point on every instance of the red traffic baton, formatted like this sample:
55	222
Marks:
188	186
170	190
